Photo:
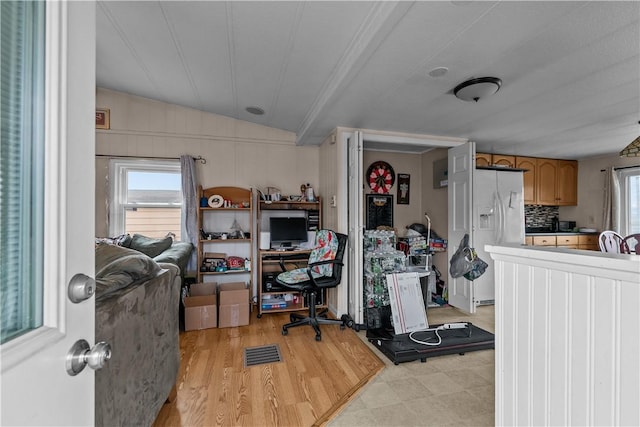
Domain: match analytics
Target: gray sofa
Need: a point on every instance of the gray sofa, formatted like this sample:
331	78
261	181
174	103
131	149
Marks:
137	306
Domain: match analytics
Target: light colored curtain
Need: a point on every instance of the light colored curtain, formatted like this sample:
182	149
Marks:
189	206
610	220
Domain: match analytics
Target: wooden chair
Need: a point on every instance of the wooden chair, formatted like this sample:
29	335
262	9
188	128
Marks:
632	243
612	242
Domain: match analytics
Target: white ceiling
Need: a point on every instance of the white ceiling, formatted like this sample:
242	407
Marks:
570	70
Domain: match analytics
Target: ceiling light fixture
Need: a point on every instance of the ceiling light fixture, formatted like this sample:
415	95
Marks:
255	110
474	89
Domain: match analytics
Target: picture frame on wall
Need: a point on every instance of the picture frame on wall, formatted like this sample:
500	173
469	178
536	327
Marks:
404	187
103	120
379	210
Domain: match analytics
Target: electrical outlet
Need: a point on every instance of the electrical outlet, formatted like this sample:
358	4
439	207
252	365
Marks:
333	201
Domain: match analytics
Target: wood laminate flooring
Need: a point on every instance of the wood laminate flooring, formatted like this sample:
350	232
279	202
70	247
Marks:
311	384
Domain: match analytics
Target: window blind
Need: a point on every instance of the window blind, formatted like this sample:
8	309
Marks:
21	166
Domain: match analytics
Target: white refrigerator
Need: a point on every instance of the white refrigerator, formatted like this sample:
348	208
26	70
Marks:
497	218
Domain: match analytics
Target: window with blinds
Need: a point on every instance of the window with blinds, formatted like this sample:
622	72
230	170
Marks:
146	197
22	167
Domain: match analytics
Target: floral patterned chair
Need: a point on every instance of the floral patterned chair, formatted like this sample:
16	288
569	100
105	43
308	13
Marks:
323	271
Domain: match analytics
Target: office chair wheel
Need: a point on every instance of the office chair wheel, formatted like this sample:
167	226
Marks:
342	326
284	331
347	320
318	337
292	318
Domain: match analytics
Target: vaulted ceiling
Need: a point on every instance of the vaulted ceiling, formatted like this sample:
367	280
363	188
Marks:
570	70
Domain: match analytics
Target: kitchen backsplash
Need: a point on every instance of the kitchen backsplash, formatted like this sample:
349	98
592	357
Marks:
540	216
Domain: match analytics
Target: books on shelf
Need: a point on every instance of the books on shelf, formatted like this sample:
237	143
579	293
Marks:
273	303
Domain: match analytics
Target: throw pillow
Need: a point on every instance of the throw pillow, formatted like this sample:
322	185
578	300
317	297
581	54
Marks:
118	267
121	240
149	246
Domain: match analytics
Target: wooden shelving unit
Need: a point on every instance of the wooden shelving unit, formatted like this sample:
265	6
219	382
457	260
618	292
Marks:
216	223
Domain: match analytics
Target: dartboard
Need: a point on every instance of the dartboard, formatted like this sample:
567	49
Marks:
380	177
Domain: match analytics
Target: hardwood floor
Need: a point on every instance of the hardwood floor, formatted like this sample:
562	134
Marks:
313	381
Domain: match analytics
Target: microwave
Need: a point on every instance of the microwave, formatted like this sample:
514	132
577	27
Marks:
566	225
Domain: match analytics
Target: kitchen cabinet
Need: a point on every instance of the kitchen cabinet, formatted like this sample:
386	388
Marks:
500	160
571	241
225	231
567	183
588	242
529	178
549	182
503	161
544	240
546	179
483	159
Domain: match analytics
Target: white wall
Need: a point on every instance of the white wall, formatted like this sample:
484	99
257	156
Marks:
566	337
238	153
588	212
403	215
435	204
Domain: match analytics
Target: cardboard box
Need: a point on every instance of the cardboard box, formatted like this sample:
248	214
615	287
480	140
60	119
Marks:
200	307
233	304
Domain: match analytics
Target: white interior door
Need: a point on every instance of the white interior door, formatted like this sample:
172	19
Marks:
460	201
356	225
36	388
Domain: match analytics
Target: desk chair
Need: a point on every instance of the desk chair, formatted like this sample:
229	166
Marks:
611	242
323	271
632	243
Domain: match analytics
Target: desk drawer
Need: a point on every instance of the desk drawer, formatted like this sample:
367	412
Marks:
544	240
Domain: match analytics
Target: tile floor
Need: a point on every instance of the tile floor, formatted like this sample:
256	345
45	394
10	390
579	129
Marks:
451	390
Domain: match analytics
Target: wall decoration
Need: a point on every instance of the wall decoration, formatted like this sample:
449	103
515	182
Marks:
102	118
380	177
404	180
379	210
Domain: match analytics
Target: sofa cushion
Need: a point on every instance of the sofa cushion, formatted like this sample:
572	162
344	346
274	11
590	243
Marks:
118	267
150	246
178	254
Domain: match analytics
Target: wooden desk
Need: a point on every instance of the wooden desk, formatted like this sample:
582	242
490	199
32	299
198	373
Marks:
278	299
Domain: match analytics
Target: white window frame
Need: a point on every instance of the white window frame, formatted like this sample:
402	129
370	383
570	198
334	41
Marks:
624	175
118	170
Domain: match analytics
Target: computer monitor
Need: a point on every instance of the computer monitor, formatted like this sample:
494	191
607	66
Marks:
287	232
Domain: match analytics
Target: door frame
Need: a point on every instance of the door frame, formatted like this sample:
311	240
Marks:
355	307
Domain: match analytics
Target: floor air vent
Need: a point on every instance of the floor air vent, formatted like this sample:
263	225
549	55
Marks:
260	355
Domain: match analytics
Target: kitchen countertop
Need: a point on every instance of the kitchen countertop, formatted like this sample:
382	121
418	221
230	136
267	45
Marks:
560	233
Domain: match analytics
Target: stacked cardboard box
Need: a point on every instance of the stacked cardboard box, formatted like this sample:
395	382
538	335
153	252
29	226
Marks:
211	305
233	300
200	308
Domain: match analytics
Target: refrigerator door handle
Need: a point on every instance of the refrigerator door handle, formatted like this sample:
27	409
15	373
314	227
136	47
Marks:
500	220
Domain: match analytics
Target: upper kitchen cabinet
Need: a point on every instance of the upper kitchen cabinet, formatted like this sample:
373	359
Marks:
549	182
546	179
483	159
567	186
500	160
529	178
